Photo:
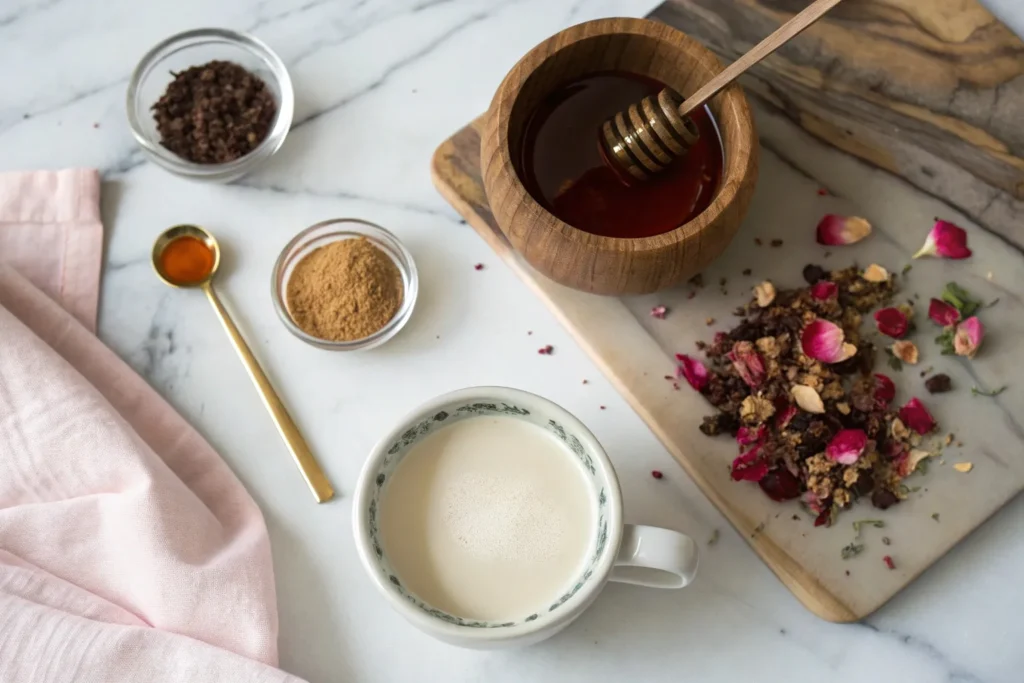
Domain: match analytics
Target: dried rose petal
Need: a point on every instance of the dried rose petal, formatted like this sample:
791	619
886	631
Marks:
917	417
808	399
885	390
749	466
892	322
968	336
810	498
943	313
780	485
784	415
888	562
824	290
875	273
825	341
847	446
945	240
748	363
693	370
749	435
659	312
836	230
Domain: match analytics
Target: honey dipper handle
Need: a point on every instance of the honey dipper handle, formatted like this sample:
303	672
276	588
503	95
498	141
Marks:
783	34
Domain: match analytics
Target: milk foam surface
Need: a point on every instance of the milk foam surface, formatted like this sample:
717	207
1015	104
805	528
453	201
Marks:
488	518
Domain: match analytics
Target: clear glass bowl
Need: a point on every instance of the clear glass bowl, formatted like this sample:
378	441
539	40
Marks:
326	232
192	48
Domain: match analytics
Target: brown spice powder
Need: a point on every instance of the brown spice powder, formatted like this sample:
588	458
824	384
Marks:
345	290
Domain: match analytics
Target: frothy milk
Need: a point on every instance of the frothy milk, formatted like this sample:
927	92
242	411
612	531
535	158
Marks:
487	518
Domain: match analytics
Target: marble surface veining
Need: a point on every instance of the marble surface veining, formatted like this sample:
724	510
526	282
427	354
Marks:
378	86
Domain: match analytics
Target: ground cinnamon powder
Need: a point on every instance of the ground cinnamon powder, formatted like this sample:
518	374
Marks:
345	290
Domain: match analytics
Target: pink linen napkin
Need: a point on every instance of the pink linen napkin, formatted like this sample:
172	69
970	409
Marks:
128	550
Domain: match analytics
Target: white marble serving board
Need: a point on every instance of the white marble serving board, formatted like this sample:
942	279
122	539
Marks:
636	351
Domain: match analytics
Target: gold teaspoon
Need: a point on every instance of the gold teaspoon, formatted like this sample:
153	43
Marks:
202	268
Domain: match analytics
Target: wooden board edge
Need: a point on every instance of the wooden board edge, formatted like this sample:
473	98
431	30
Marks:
807	589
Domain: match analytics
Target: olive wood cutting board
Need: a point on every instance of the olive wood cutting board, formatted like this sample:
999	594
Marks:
896	110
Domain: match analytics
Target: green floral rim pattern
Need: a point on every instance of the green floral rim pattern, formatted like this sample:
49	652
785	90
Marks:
409	437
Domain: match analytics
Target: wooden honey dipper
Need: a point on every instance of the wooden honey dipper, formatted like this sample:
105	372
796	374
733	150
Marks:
650	135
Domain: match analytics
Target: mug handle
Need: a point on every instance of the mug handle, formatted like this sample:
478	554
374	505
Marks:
655	557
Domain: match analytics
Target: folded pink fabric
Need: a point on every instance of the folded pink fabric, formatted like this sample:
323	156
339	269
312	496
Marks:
128	549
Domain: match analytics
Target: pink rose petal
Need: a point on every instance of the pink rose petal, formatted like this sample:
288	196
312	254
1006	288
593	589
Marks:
917	417
749	466
968	336
836	230
908	462
825	341
659	312
812	501
748	363
823	290
885	390
945	240
693	370
892	322
847	446
943	313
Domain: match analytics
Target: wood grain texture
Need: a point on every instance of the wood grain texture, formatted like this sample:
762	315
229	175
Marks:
930	90
594	263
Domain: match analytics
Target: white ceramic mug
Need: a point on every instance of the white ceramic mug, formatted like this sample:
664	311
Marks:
642	555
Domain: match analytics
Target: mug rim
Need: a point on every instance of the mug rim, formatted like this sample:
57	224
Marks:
453	632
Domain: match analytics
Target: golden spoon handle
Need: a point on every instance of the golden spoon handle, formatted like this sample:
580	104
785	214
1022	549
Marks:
311	472
810	14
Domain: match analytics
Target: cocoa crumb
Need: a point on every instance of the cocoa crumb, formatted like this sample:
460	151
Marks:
757	241
938	384
747	271
776	242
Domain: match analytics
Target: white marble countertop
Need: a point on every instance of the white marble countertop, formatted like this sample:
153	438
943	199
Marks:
379	84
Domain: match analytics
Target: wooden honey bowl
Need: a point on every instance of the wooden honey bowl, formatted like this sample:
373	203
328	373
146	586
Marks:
610	265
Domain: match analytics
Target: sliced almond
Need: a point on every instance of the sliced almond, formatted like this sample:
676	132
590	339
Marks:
964	467
906	351
808	399
765	293
875	273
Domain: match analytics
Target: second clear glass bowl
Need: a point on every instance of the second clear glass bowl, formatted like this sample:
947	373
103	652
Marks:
193	48
323	233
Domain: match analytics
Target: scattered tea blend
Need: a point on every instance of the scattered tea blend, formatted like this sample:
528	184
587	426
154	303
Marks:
345	290
793	384
214	113
563	167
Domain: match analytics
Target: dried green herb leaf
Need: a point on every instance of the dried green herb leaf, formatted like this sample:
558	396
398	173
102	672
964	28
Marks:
860	524
852	550
714	537
960	299
975	391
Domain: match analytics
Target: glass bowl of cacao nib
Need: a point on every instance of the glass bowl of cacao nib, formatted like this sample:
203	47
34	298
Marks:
210	104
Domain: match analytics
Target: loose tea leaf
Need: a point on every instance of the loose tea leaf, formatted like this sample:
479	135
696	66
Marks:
975	391
214	113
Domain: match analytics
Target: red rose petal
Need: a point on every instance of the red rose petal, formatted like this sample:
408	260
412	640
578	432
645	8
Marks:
749	435
749	466
917	417
780	485
945	240
784	415
892	322
823	290
943	313
693	370
885	390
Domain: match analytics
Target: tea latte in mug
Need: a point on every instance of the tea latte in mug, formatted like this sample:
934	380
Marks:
488	518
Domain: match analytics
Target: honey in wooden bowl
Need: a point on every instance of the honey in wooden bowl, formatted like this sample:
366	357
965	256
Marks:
564	169
567	253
